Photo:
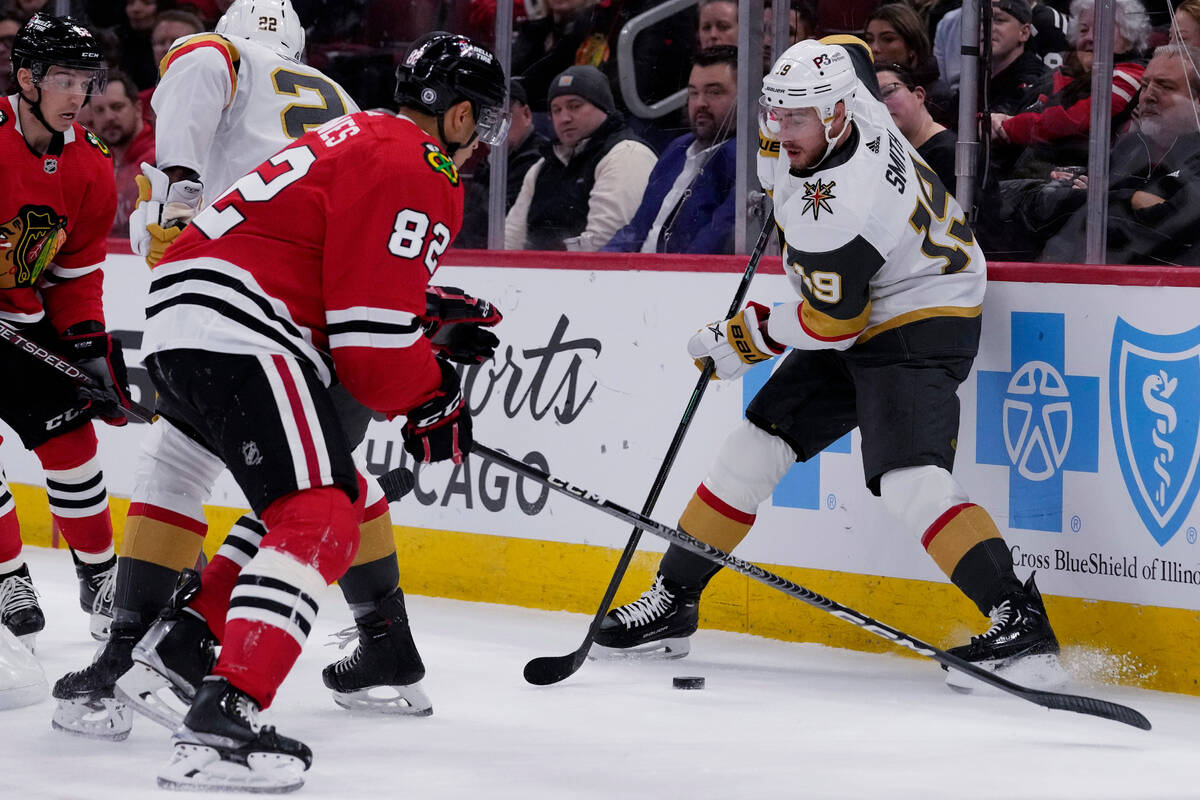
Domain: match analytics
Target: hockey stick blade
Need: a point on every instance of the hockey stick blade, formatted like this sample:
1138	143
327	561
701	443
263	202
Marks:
397	482
545	670
1053	700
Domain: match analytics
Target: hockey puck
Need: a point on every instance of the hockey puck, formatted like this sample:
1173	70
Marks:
688	682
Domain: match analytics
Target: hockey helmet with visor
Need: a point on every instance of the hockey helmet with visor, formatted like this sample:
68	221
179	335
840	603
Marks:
443	69
809	75
47	41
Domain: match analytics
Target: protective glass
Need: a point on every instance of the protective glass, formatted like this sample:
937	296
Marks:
785	123
492	124
88	82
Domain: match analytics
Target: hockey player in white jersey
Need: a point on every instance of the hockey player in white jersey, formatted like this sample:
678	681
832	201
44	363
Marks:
890	284
227	101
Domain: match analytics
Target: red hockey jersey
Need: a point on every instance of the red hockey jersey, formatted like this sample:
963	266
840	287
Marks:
55	212
322	253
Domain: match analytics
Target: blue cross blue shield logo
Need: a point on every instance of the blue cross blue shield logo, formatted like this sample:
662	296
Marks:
1038	420
1154	397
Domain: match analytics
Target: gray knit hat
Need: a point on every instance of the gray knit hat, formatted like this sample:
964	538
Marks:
587	82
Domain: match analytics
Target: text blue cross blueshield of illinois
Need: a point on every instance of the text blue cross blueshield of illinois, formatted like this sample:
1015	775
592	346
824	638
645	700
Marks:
1038	421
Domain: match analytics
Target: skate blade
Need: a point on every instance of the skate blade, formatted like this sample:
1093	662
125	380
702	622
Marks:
103	718
409	701
30	642
99	626
660	650
151	695
198	767
1043	671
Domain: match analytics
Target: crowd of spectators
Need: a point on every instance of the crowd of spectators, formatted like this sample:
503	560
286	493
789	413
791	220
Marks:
589	169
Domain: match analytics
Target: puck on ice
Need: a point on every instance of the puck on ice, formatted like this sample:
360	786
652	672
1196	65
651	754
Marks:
688	682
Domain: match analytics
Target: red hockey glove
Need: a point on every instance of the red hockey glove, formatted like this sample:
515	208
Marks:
100	356
455	323
440	428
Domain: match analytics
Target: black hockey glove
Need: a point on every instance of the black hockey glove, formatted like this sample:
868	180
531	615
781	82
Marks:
100	356
456	324
440	428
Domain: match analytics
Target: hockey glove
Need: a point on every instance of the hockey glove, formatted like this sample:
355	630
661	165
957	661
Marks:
440	428
736	344
100	356
163	210
455	323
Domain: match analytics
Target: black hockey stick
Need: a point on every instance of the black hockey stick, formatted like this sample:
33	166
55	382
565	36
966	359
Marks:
545	670
1054	700
35	350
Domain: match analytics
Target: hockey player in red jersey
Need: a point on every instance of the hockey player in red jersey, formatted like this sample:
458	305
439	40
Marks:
221	112
312	268
57	201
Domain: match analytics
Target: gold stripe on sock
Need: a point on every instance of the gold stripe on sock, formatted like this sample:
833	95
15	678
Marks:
958	534
375	541
160	543
707	524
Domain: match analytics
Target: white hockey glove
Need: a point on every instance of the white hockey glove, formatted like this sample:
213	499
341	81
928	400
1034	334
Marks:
163	210
736	344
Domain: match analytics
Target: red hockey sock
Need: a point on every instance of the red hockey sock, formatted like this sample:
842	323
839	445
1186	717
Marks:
75	487
10	530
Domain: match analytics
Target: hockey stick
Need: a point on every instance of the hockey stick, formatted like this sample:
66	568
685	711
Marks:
35	350
397	482
545	670
1053	700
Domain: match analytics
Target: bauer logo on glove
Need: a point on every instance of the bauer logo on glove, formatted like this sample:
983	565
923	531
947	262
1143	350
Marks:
735	344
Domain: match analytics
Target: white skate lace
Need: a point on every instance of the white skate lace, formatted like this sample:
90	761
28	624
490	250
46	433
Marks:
1001	615
105	592
247	709
344	638
16	593
654	602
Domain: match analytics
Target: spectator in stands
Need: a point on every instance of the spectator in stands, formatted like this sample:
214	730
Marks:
1017	74
137	54
525	147
802	22
24	9
689	204
905	100
170	25
1185	26
589	182
1051	26
718	23
897	35
1154	178
1055	130
546	46
9	25
117	117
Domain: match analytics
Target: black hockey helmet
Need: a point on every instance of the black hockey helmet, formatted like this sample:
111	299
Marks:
445	68
46	41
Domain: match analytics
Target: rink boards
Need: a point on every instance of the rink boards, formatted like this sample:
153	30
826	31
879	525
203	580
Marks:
1080	433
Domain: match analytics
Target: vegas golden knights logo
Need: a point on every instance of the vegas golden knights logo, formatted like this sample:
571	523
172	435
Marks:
28	243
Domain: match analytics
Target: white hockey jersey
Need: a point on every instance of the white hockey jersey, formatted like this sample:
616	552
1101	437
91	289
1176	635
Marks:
226	105
873	239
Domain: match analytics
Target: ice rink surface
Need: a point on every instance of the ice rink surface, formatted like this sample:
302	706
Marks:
776	720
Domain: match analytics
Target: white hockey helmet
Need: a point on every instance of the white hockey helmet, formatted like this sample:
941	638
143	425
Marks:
269	22
808	75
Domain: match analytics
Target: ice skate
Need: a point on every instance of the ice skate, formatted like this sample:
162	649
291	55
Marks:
86	704
221	747
656	625
170	661
22	679
97	587
383	673
1019	646
19	609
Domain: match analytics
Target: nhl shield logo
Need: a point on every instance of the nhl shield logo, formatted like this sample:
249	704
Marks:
1154	397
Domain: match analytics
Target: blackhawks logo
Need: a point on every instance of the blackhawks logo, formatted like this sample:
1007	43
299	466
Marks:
96	142
441	163
28	243
817	196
